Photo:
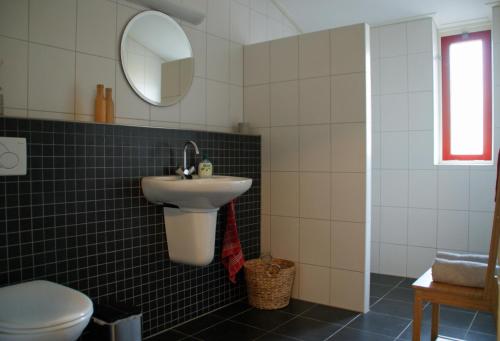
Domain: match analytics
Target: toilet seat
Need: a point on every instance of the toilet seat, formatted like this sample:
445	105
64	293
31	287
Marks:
40	307
25	331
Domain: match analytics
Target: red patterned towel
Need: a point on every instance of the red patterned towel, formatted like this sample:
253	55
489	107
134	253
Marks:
232	254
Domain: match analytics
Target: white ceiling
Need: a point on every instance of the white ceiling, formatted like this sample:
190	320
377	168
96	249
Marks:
314	15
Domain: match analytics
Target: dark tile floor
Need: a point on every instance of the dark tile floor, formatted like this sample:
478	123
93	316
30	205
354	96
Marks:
389	319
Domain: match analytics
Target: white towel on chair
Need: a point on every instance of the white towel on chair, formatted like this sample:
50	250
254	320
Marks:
459	272
470	257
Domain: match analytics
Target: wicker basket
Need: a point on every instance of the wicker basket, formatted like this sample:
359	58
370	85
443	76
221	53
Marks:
269	284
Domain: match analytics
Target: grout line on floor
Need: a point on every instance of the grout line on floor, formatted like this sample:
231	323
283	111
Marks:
403	331
471	322
344	326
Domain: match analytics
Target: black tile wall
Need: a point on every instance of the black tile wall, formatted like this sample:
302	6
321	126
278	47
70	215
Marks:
79	217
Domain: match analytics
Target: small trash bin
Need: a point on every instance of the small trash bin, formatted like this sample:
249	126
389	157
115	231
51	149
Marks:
123	322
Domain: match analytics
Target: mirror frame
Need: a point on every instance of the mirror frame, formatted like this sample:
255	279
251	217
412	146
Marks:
122	48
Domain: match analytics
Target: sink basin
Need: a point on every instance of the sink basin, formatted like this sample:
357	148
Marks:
191	216
194	194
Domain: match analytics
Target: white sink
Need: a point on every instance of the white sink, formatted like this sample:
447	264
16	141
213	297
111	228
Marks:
191	216
194	194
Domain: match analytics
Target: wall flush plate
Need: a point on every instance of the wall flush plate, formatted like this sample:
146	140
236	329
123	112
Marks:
12	156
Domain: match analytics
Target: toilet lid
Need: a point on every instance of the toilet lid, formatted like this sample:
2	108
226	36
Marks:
41	304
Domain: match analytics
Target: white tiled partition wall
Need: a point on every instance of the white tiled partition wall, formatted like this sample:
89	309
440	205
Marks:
306	96
54	52
418	207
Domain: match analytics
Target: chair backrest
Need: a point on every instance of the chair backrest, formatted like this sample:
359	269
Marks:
491	284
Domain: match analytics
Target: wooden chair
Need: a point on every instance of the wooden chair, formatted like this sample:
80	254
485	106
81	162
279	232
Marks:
483	299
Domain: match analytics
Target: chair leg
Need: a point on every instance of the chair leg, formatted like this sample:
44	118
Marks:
417	317
435	321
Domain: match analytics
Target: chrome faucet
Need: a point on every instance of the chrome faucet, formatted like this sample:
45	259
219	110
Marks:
184	171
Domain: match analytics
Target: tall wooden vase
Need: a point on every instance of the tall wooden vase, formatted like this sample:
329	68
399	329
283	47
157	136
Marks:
110	106
100	104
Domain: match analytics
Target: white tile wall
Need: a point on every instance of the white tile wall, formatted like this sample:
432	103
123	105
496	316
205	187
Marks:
285	194
14	75
284	62
423	189
452	230
256	101
312	123
421	207
394	146
348	147
285	148
348	197
394	188
394	109
422	227
314	54
453	189
375	223
393	224
99	37
482	190
315	148
74	44
314	100
392	40
348	50
265	235
375	257
346	106
14	19
314	283
52	22
284	103
218	18
347	289
393	75
419	75
393	259
315	242
419	35
419	107
285	237
346	239
266	193
421	152
314	192
51	79
217	58
479	231
217	103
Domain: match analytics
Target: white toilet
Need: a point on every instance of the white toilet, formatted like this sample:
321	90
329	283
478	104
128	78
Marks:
42	311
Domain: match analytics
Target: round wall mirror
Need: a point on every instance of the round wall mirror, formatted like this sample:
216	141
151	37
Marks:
157	58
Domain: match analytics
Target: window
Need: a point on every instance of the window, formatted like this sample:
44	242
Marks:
466	97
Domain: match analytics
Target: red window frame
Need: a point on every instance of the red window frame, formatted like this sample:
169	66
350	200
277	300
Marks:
485	36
